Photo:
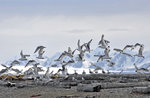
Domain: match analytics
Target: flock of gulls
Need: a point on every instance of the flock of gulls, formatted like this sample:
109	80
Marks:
81	50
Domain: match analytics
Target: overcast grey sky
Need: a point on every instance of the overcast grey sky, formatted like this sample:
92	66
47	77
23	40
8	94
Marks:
57	24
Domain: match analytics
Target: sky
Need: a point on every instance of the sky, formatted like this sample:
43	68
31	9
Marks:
58	24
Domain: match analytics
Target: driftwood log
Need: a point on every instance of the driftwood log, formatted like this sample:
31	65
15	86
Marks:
88	88
95	87
141	90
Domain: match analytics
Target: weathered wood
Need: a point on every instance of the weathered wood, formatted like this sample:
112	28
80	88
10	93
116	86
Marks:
142	90
88	88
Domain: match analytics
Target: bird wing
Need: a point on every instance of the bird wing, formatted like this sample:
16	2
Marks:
74	52
78	43
16	70
61	56
127	46
47	71
118	50
106	41
69	50
137	44
29	62
90	41
15	62
135	66
21	53
93	64
38	48
4	65
127	54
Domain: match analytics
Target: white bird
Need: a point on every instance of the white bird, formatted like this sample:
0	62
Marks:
15	62
111	64
87	46
65	53
90	71
83	73
122	52
79	46
107	53
118	50
103	43
23	57
129	46
141	70
81	56
46	75
140	52
40	51
75	72
96	67
30	62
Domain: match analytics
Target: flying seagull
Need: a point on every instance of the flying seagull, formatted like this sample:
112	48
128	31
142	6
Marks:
40	51
140	52
141	70
129	46
103	43
30	62
87	46
23	57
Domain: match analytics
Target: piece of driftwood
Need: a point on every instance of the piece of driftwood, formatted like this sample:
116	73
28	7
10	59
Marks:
88	88
123	78
141	90
122	85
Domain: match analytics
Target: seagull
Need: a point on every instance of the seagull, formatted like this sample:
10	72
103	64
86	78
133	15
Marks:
100	57
97	67
29	72
37	69
140	52
30	62
120	72
107	53
40	51
23	57
17	70
141	70
71	52
111	64
83	73
122	52
10	67
87	46
90	71
65	53
127	54
118	50
75	72
81	56
129	46
40	56
46	73
61	57
6	69
64	65
103	43
15	62
79	46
